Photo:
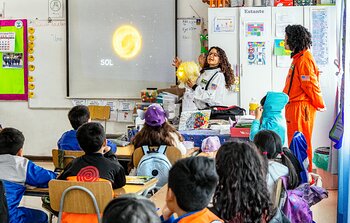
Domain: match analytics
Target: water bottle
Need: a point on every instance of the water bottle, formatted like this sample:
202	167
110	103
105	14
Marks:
253	105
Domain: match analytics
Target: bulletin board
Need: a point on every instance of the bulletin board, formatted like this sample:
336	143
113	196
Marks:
14	61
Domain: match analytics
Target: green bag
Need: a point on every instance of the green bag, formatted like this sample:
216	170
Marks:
320	158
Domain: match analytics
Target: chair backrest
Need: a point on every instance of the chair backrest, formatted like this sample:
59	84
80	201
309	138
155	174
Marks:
279	188
61	158
172	153
78	201
4	214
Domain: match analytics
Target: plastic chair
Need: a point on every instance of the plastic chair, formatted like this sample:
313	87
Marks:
79	197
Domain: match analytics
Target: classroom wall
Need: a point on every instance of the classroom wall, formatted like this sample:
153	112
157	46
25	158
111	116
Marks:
43	127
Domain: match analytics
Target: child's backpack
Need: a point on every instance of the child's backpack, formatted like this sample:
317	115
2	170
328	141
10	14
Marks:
154	163
295	207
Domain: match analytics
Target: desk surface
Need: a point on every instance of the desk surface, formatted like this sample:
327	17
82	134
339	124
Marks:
128	188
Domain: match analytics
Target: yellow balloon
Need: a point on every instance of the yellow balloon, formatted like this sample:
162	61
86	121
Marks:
127	42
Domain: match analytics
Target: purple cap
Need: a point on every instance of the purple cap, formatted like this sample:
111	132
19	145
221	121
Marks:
155	115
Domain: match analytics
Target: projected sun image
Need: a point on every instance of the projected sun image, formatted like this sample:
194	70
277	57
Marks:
127	42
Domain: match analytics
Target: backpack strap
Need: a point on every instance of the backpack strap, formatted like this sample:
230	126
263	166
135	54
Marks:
162	149
145	149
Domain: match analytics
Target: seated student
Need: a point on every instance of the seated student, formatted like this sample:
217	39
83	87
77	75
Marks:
191	185
130	208
98	164
16	172
158	131
269	115
241	194
77	116
270	146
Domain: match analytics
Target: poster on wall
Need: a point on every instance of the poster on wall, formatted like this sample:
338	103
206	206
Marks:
319	31
14	60
256	53
224	24
279	49
254	29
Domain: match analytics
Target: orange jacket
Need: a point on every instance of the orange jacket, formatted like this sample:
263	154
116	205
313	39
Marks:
305	81
203	216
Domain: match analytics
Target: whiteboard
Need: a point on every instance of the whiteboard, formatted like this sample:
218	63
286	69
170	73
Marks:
188	39
49	51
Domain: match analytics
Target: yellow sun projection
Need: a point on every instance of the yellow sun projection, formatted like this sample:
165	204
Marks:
127	42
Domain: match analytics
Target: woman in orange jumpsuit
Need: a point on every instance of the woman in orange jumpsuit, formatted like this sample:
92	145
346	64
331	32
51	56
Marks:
302	86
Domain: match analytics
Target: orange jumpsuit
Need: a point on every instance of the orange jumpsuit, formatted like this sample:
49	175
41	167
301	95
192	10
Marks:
304	98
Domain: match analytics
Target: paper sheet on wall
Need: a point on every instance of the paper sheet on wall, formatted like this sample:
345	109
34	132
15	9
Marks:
2	9
279	49
7	42
283	61
254	29
319	31
282	20
76	102
224	24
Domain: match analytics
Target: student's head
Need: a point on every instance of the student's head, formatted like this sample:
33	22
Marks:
270	145
11	141
217	58
91	137
157	130
242	194
130	208
78	115
155	115
297	38
191	184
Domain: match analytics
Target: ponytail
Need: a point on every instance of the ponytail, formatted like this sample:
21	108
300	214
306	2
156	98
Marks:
293	180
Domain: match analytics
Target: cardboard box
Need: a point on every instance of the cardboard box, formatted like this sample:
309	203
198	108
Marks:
240	132
174	90
329	181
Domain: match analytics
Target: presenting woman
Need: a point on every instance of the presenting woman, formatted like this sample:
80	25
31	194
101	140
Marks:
215	80
302	86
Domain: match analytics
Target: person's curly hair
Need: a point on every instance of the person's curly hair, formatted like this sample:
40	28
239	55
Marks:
298	38
241	195
224	65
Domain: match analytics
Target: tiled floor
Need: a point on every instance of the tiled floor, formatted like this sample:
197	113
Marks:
323	212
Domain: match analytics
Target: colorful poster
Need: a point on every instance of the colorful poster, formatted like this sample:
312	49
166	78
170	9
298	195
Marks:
224	24
279	49
254	29
194	120
14	60
256	53
319	31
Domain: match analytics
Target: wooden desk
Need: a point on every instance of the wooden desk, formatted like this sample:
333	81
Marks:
128	188
159	199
